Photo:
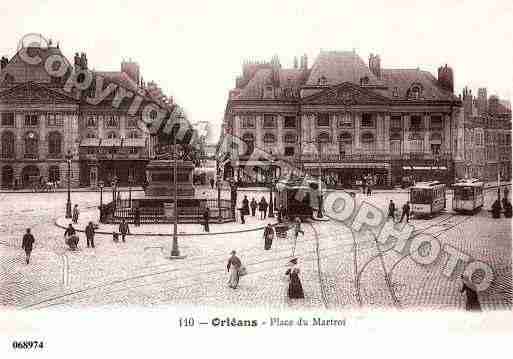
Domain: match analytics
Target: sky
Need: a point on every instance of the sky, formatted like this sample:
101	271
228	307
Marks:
194	49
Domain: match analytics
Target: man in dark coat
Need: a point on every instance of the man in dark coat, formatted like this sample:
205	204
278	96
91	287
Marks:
71	237
124	229
245	205
496	209
212	183
263	208
27	243
391	210
206	217
76	212
268	236
137	216
89	232
242	213
253	206
406	212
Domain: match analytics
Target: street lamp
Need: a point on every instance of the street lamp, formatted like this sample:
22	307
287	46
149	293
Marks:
271	184
69	157
175	252
218	184
319	189
100	184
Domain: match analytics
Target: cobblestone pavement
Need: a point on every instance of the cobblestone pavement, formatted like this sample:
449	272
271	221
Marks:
339	270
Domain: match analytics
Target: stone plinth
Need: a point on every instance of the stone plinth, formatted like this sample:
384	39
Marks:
161	182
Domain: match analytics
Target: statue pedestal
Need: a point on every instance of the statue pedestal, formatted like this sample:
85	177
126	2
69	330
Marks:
161	182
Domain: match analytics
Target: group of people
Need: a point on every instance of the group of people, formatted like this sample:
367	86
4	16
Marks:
262	207
405	212
506	206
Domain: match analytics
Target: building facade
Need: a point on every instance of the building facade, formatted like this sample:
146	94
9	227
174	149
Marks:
41	124
346	119
487	142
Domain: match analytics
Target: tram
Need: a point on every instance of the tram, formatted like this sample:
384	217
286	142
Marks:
298	196
468	195
427	198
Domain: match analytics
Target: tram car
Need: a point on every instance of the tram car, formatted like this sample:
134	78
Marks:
468	196
427	198
298	197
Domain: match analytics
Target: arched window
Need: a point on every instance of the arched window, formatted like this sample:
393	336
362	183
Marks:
415	91
112	121
323	137
54	174
367	141
112	135
290	138
345	143
54	144
131	122
133	135
31	145
8	144
269	138
249	140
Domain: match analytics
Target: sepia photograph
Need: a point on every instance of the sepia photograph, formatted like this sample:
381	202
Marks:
218	173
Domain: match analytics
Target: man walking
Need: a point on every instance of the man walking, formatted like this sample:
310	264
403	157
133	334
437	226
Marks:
406	212
253	206
124	229
137	216
27	243
206	216
76	212
212	183
89	232
391	210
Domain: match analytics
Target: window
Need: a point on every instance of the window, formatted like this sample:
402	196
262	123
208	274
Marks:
345	142
289	151
31	145
133	150
323	120
367	137
395	122
436	122
269	121
395	92
323	138
248	122
367	120
290	122
91	121
346	121
131	122
290	138
133	135
415	92
8	119
54	144
91	150
269	138
8	144
54	120
91	135
416	123
249	140
112	121
54	174
31	120
112	135
323	81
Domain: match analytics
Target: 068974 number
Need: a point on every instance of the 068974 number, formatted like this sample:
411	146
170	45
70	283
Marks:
27	345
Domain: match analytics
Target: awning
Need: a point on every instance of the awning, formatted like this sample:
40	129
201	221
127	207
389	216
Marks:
424	168
134	142
111	142
347	165
90	142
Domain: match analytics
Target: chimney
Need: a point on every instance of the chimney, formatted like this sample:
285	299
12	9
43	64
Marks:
131	68
83	60
446	78
482	101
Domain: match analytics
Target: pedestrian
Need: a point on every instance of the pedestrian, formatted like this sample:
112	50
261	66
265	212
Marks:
89	232
406	212
137	216
233	267
263	208
369	190
212	183
496	209
472	303
123	229
206	217
253	204
268	236
71	238
76	212
391	210
506	192
27	243
295	288
507	209
241	211
297	227
245	205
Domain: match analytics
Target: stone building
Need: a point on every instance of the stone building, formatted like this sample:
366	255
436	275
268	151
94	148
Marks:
40	123
487	142
348	118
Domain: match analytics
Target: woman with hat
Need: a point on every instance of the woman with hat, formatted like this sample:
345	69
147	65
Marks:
233	267
268	236
295	288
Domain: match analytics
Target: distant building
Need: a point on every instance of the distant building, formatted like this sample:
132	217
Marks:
348	117
40	123
487	137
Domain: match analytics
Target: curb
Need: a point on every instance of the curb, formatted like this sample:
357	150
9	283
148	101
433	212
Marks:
170	234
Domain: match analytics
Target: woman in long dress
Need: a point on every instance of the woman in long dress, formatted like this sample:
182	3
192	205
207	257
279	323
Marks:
295	288
268	237
233	268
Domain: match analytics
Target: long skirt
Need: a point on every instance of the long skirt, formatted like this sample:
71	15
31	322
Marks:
233	280
268	242
295	287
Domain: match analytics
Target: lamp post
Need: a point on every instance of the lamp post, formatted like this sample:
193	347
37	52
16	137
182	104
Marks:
271	184
218	184
69	157
175	252
100	184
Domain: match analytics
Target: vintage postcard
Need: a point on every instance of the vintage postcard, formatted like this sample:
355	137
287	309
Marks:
223	173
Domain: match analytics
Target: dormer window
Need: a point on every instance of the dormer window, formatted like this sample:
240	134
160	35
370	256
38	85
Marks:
415	92
395	92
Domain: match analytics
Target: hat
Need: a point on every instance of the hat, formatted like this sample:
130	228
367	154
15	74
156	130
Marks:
293	261
233	252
